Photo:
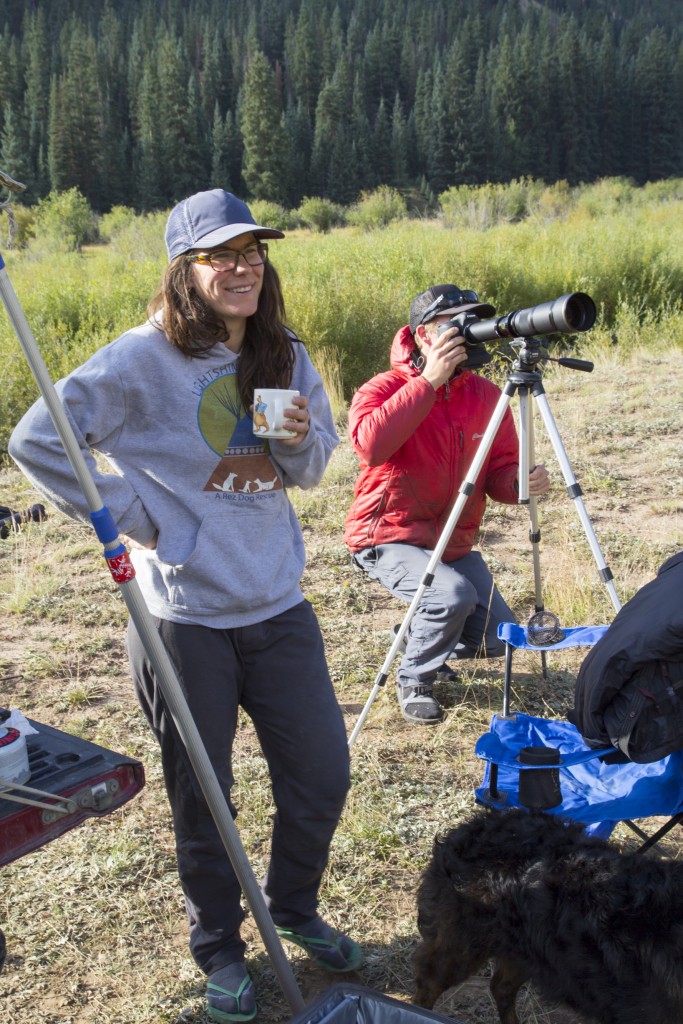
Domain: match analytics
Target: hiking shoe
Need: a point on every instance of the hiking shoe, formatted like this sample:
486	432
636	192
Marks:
419	705
326	947
446	674
230	995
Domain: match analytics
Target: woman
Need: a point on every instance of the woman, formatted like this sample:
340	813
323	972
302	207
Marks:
219	554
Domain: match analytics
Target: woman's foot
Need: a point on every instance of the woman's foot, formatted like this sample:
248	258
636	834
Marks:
230	995
327	947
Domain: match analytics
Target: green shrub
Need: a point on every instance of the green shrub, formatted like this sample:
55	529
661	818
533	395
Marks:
481	207
667	191
320	214
555	201
142	239
607	196
378	208
16	225
347	291
272	215
117	220
63	223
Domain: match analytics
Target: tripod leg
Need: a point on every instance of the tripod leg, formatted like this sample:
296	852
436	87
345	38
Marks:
465	489
527	462
574	491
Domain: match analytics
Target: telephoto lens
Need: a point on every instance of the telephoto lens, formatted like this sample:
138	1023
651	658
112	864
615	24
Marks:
569	314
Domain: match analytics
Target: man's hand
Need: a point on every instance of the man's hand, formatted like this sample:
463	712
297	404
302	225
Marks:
539	481
443	354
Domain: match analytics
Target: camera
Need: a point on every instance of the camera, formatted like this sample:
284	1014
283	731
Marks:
568	314
477	355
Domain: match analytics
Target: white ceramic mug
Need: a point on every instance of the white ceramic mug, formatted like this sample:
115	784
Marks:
269	411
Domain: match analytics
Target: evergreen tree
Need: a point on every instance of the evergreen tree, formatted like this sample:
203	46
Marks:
220	173
147	144
299	140
656	147
264	144
440	170
381	147
326	123
178	170
74	155
609	109
574	137
214	75
399	176
458	116
343	183
13	157
234	153
36	101
482	145
11	92
506	111
362	136
305	65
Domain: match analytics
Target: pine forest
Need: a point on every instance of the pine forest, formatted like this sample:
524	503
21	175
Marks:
139	102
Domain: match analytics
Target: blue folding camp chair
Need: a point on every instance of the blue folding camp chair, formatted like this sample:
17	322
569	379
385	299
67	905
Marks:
597	787
516	637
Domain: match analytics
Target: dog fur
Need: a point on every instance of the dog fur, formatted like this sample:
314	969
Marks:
600	930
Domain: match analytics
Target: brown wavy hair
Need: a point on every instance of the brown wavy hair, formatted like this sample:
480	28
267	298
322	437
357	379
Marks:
266	359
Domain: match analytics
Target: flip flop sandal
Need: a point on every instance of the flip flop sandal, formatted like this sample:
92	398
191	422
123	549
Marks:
237	1016
336	953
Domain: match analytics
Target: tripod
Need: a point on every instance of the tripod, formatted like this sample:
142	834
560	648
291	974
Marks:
524	379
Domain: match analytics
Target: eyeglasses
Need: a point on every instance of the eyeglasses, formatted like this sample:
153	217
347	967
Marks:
228	259
448	300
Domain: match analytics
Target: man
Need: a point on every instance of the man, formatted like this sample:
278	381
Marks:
416	429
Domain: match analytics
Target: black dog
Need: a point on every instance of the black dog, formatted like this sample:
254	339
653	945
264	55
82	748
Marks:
600	930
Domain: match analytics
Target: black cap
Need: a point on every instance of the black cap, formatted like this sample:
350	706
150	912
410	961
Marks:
442	300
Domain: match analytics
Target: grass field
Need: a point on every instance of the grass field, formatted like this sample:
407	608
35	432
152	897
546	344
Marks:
94	921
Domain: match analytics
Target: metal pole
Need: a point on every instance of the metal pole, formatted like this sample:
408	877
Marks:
123	574
527	462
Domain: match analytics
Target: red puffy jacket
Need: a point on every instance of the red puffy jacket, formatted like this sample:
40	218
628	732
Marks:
415	447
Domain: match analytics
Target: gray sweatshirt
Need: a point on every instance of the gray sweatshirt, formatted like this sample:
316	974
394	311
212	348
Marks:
184	463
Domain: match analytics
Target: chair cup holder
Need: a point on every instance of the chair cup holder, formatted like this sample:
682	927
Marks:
539	787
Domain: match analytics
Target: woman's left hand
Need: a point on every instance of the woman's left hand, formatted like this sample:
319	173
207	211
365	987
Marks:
298	419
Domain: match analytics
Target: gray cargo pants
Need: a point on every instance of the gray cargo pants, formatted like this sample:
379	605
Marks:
458	615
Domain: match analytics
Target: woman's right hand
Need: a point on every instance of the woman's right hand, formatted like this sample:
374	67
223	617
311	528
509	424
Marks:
130	543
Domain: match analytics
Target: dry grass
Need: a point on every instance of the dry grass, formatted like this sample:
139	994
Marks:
94	921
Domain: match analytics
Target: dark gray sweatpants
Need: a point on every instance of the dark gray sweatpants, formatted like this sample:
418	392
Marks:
276	670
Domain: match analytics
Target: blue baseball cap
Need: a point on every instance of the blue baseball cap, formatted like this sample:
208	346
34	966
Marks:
210	218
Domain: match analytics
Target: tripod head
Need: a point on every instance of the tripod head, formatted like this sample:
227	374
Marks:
531	352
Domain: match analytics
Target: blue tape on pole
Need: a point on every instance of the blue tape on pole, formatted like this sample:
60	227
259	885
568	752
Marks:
115	552
104	524
2	262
